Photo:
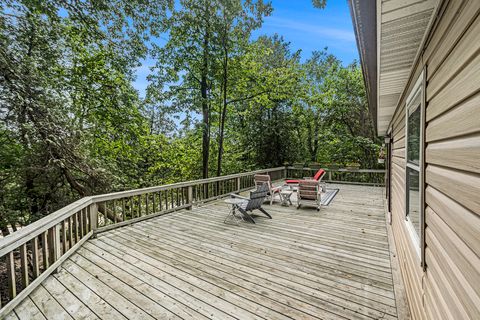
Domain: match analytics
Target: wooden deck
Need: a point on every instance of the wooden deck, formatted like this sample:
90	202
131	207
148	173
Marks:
334	264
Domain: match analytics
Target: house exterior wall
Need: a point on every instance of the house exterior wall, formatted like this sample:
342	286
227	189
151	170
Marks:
449	286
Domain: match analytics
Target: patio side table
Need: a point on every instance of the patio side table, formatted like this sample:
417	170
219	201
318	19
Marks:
232	216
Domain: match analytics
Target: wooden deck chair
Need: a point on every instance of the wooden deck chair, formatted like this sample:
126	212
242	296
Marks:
255	202
309	193
317	177
261	179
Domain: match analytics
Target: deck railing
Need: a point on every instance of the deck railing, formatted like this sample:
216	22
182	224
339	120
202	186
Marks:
29	255
373	177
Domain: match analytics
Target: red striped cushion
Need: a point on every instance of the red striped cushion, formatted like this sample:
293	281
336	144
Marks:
291	181
318	174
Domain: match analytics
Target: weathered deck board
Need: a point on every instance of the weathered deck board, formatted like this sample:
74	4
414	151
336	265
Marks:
303	264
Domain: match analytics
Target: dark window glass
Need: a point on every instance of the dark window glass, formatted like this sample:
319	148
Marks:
413	147
413	184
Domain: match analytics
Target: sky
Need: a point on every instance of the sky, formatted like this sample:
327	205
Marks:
304	26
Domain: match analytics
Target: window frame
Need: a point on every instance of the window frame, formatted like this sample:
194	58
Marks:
417	90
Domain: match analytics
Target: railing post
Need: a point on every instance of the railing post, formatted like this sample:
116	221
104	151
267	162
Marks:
239	186
93	217
329	175
190	197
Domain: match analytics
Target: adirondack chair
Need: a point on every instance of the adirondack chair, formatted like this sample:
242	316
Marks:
310	193
255	202
261	179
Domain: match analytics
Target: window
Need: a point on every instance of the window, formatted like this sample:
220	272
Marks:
414	170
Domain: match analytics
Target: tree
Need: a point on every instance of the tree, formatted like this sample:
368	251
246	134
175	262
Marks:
319	70
270	89
65	77
237	21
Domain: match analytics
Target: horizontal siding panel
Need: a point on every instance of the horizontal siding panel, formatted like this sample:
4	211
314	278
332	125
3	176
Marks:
400	144
464	119
452	33
399	120
399	136
461	186
466	49
462	221
448	18
460	293
433	306
460	153
400	162
407	255
410	266
399	132
399	153
460	88
462	263
444	292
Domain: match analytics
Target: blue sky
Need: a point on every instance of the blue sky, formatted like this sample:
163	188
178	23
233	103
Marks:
304	26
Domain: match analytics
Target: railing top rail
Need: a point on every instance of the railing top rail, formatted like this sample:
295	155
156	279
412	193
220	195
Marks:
129	193
342	170
16	239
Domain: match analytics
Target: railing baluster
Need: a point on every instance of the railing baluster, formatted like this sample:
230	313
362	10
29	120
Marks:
64	236
45	250
75	225
24	264
154	208
160	201
190	197
35	258
114	211
146	204
80	222
70	231
12	284
88	219
131	208
54	243
93	217
124	213
140	205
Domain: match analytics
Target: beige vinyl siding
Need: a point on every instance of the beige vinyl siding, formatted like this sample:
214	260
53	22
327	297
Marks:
408	258
452	158
451	282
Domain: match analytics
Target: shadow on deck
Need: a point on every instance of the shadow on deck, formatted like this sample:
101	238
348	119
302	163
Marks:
303	264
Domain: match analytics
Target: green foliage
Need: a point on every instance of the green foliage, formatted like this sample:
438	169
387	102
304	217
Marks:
71	123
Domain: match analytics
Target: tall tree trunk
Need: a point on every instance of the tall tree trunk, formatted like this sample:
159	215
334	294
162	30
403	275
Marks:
316	129
205	105
223	115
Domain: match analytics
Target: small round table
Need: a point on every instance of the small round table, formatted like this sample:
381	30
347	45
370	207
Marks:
232	214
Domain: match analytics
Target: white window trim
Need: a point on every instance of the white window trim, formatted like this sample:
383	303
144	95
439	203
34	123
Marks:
417	89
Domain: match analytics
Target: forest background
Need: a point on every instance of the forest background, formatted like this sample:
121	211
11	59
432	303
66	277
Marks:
218	101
